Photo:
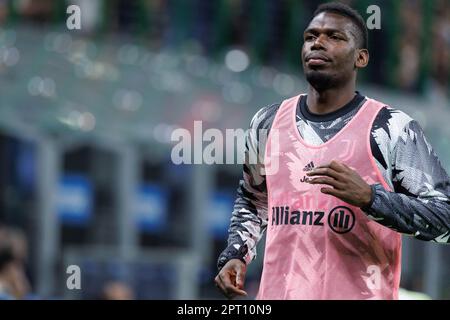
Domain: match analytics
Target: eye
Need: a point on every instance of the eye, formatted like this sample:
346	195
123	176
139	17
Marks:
336	37
309	37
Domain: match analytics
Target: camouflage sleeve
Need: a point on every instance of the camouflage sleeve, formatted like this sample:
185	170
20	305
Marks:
249	218
420	203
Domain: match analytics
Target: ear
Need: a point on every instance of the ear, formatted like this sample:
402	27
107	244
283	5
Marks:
362	58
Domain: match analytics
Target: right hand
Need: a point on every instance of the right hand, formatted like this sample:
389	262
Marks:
231	278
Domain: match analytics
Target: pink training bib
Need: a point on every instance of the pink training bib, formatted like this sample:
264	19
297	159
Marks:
317	246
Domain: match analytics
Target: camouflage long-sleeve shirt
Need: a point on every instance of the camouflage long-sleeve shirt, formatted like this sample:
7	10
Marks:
418	206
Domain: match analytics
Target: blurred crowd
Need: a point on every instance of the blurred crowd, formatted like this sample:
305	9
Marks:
14	279
411	51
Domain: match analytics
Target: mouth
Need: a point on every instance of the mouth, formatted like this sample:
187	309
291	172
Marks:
317	59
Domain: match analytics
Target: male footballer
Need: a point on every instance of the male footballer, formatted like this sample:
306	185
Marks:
353	174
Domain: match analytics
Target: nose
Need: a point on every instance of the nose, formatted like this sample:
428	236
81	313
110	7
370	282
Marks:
318	43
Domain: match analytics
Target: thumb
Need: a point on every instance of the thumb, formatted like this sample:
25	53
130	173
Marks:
240	277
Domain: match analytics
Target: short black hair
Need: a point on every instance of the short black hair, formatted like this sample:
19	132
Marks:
352	14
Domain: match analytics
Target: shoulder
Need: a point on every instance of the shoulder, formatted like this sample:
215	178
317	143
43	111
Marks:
263	119
392	123
391	130
393	118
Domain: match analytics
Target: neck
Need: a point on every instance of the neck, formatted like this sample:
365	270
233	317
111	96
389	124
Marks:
329	100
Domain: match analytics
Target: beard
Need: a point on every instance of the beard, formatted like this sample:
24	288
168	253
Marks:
321	81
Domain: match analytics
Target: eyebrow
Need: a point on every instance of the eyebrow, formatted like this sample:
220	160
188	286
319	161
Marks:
326	30
330	30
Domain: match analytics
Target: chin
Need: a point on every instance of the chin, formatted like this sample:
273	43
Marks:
319	79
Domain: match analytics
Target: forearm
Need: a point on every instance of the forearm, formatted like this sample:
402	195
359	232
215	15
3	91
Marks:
426	219
249	217
247	225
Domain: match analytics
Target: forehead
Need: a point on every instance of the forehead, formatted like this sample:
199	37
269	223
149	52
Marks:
329	20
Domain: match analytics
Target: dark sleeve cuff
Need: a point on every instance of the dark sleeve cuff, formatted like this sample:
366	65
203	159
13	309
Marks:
368	207
232	253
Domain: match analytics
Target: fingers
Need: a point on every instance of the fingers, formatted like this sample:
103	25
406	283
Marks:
219	284
335	165
325	172
333	192
240	278
230	289
224	283
328	181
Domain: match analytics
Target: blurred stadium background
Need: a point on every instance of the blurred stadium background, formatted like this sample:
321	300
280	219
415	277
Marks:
86	118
